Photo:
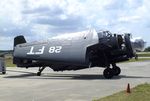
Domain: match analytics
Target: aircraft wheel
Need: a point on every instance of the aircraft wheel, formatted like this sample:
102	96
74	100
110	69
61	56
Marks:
116	70
38	74
108	73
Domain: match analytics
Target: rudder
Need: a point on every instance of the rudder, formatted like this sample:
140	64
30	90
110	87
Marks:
19	40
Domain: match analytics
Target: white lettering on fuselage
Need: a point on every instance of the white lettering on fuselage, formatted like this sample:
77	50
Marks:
55	49
31	51
52	49
40	51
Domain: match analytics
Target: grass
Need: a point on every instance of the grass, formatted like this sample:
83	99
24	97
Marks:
139	93
139	59
9	62
143	54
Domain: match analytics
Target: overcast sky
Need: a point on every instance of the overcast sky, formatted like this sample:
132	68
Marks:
40	19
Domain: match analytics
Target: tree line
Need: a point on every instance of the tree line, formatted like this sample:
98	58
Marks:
147	49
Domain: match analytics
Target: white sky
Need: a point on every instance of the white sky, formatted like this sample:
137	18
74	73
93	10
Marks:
40	19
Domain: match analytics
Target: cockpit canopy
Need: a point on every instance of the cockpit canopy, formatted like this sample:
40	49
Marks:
102	34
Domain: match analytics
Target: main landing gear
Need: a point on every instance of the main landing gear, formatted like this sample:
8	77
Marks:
110	72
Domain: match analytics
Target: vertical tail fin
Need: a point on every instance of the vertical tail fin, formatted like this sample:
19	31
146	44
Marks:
19	40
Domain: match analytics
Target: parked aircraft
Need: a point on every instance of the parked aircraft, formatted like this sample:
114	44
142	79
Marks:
75	51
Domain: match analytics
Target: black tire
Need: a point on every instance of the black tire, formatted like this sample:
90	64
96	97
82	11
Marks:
108	73
116	71
3	72
38	74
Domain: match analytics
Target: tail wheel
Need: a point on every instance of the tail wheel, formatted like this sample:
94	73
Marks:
108	73
38	73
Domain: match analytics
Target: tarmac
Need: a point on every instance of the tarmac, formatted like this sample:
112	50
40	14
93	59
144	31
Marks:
20	84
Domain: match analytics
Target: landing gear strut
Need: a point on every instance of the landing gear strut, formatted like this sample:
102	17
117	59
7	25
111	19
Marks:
40	71
110	72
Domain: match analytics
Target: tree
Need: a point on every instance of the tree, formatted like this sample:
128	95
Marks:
147	49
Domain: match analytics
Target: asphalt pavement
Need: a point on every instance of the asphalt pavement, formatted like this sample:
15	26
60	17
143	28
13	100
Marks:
20	84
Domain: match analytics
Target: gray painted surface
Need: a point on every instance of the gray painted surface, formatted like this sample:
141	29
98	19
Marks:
73	49
20	84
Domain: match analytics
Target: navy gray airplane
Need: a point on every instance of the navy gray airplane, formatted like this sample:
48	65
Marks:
75	51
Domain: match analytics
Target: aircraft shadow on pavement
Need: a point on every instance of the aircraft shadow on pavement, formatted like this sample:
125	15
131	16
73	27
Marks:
25	74
87	76
57	76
